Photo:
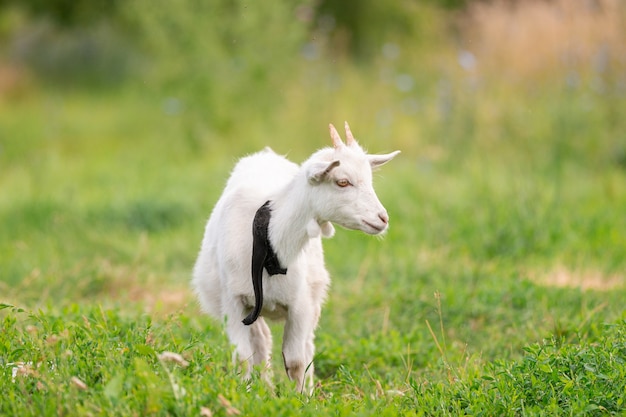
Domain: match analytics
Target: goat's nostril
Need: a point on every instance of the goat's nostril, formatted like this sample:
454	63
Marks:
384	217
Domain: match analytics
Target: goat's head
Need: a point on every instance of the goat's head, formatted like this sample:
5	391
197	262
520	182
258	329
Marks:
342	190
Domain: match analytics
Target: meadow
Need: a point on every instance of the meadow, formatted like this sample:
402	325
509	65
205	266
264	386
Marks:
498	290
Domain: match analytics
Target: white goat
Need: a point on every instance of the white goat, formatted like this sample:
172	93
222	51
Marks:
333	185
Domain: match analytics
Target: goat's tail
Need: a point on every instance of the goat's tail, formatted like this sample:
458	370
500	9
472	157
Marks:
259	254
258	302
257	273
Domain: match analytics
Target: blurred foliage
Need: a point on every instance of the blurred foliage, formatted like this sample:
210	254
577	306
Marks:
211	44
219	57
66	12
465	78
77	56
351	23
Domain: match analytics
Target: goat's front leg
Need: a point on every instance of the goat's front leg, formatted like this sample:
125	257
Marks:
310	352
297	352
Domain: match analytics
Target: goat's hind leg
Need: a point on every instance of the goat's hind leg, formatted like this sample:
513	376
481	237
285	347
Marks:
253	343
240	336
261	341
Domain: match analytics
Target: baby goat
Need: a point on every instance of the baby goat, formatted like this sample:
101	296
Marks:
262	255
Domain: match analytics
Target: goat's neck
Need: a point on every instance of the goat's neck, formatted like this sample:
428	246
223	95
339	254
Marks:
291	213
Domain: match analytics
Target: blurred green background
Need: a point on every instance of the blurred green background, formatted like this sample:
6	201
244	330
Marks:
119	123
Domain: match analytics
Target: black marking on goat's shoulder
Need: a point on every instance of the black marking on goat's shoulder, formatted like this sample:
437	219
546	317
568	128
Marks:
263	256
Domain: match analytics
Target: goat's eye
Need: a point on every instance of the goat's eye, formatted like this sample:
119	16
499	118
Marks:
343	182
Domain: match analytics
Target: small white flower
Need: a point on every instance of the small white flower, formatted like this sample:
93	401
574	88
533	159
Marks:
17	366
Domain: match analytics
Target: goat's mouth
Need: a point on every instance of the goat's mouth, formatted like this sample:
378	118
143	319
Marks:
372	227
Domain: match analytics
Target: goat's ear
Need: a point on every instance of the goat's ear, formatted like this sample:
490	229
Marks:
378	160
318	171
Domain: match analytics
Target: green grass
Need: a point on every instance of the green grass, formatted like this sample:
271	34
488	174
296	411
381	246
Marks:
92	361
552	378
455	311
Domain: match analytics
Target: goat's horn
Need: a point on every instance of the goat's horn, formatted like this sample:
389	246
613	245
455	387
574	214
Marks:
334	135
349	138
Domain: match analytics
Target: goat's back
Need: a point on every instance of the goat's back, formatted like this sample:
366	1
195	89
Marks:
262	173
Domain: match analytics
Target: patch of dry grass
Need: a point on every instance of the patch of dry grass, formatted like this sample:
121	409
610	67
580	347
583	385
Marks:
538	40
585	279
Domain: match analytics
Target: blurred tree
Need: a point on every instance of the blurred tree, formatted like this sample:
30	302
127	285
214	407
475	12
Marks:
360	27
358	24
66	12
68	42
225	60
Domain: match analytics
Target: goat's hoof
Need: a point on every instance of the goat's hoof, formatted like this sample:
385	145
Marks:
295	372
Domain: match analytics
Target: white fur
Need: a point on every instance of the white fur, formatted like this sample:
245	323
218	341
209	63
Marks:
305	200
